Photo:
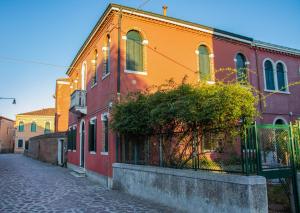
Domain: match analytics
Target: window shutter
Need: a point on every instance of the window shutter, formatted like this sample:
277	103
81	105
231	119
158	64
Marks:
69	140
241	67
281	77
95	136
204	63
90	136
74	140
134	51
270	84
106	135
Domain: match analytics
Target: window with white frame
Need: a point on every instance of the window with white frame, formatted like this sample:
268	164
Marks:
106	56
275	76
134	51
93	135
104	118
241	68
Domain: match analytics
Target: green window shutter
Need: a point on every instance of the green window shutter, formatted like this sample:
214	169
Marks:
90	137
269	74
281	77
204	63
134	51
21	126
74	138
69	140
33	127
241	68
106	135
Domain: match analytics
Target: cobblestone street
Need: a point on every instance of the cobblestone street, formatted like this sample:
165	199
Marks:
27	185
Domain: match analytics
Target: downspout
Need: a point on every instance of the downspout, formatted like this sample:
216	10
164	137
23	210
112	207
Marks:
119	79
258	82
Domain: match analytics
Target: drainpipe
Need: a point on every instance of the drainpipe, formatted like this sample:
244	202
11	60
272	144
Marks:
118	79
258	82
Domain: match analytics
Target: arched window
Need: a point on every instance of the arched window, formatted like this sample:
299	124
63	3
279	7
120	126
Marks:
83	76
21	126
269	75
47	127
204	63
95	65
241	68
134	51
33	127
280	121
106	56
281	78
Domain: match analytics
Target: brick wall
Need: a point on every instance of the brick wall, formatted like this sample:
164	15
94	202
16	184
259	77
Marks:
44	147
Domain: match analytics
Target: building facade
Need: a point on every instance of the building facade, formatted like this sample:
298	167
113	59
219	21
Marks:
62	104
32	124
131	50
7	132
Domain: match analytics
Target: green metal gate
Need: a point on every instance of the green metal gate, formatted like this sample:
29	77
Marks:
272	151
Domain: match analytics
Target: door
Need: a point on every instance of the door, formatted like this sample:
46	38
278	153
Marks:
82	138
60	152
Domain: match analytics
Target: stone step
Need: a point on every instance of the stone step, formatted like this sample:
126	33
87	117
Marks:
78	172
78	175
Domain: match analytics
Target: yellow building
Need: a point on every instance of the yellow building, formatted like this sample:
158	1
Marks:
31	124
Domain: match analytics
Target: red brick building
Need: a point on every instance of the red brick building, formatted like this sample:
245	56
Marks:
130	49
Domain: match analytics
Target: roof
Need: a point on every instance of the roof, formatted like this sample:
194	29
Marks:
2	117
41	112
183	23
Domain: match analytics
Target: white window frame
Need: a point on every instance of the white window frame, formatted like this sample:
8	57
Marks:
103	115
274	65
92	120
144	43
83	75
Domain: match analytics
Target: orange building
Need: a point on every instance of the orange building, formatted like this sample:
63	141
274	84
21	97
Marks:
62	104
131	49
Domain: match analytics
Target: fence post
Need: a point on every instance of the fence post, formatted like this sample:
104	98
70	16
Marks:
257	149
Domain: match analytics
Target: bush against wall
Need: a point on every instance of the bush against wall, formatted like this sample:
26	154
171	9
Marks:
185	115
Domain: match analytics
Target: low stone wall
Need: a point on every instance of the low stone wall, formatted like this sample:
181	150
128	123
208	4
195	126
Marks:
193	191
44	147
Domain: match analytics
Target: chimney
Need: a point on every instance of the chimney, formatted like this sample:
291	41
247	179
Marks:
165	7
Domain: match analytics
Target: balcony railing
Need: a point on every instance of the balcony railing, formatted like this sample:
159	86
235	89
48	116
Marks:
78	102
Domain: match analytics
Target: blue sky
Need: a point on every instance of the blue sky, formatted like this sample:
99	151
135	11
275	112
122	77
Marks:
52	31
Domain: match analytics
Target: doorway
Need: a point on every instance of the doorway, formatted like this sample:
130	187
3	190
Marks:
82	141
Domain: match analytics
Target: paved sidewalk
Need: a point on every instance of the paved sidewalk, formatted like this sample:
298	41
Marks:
27	185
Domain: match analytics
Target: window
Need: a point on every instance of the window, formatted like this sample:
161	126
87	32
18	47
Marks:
47	127
93	135
72	133
241	68
105	133
275	76
269	75
281	81
204	63
21	126
94	61
83	76
20	143
33	127
106	56
134	51
280	121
